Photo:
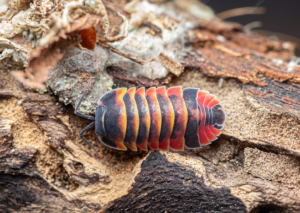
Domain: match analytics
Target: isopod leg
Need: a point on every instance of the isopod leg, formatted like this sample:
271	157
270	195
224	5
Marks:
88	143
79	103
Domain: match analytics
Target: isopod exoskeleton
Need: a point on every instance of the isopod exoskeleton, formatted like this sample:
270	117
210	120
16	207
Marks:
158	118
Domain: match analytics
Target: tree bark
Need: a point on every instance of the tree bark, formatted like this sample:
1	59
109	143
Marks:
252	167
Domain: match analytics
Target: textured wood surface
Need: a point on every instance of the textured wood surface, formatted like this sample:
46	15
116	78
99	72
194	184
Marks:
253	167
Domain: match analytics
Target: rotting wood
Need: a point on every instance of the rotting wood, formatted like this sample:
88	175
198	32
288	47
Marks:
123	79
171	64
5	135
188	192
277	96
219	169
129	56
6	93
233	61
46	56
48	111
231	175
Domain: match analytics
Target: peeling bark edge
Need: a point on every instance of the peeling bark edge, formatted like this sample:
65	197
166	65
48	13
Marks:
33	194
163	186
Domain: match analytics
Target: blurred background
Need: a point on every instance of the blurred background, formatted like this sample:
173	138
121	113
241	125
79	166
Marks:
281	18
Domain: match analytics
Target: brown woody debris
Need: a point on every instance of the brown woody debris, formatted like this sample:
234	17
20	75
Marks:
70	77
200	37
171	64
220	27
123	79
6	93
270	166
49	113
46	56
271	46
228	60
129	56
252	167
235	33
5	135
277	96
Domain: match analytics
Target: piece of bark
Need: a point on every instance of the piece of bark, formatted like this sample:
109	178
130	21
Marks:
52	47
6	93
22	188
232	61
230	175
270	166
13	160
234	32
164	186
175	183
9	87
219	177
48	111
71	76
17	161
122	79
171	64
277	96
21	193
5	135
271	46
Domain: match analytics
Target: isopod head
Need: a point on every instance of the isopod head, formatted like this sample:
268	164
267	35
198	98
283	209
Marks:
112	113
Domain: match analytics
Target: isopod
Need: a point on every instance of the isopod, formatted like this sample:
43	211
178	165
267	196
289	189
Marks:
158	118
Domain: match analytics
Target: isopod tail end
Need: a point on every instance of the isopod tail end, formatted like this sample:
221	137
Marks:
219	117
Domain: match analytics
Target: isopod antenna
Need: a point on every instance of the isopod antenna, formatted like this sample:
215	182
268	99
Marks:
87	117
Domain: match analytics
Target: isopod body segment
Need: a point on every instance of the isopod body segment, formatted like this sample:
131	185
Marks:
158	118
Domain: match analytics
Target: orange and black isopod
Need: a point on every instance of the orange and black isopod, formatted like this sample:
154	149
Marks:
158	118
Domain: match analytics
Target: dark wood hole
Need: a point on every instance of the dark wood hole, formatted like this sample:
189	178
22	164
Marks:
78	166
269	208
